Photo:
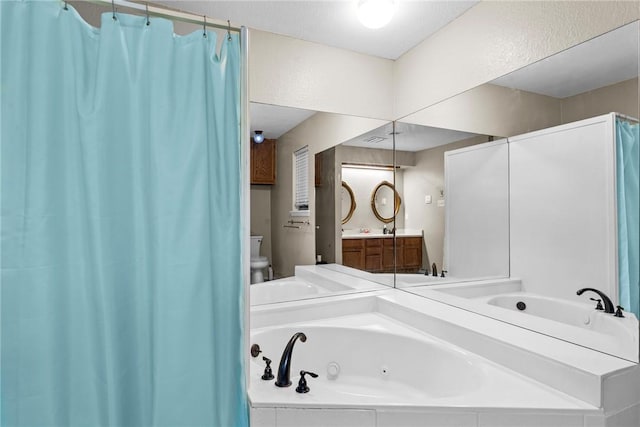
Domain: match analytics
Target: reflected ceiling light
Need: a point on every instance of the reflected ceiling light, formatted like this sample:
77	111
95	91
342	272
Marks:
258	137
367	166
376	13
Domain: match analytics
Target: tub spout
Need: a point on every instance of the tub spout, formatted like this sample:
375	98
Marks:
434	270
284	369
608	305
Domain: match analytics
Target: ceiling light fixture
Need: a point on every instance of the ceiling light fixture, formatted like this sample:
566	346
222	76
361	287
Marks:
376	13
258	137
367	166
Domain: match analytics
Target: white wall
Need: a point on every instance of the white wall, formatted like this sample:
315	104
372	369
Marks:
562	209
477	211
427	179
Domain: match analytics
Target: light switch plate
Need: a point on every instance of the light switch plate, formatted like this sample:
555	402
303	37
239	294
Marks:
427	199
441	203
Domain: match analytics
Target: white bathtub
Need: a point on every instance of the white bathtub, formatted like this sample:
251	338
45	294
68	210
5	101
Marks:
284	290
565	311
567	319
619	331
385	363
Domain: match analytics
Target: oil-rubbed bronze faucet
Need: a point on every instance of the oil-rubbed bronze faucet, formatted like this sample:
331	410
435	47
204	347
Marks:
434	270
608	305
284	369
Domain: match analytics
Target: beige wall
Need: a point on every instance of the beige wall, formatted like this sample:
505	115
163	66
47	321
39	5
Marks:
499	111
293	246
295	73
494	38
328	218
619	98
492	110
260	197
427	178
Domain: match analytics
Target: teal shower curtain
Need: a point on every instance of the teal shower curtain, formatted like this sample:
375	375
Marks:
627	184
121	291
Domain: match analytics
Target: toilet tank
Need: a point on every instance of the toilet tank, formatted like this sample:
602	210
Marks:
256	241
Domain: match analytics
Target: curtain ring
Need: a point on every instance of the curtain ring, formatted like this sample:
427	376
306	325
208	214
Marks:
228	30
204	27
146	7
113	9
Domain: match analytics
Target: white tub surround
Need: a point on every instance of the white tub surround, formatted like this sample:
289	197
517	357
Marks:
313	281
337	277
573	321
359	364
280	290
404	358
421	279
378	233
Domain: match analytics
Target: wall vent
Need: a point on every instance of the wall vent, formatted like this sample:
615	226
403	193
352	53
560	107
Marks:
373	139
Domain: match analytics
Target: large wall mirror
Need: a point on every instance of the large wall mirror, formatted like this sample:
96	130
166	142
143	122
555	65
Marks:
530	195
453	161
291	246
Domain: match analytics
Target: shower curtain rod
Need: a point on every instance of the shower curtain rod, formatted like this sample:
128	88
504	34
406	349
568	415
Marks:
171	14
628	118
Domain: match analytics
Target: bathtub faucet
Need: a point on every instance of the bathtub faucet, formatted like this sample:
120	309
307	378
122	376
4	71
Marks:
284	369
608	305
434	270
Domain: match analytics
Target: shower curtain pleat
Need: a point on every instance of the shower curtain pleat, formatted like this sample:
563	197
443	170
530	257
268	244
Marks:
121	296
628	197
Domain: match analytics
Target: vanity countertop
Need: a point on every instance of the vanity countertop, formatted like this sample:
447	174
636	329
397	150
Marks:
377	233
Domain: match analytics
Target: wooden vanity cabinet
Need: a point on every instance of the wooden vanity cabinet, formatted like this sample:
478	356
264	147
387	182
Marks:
353	253
373	255
411	255
376	255
388	259
263	162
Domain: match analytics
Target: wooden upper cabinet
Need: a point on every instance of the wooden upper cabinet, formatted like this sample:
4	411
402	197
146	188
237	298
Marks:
263	162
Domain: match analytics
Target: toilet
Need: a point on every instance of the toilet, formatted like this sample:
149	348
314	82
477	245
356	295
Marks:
257	263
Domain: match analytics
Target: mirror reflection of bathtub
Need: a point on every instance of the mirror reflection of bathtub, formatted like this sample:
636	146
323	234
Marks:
313	281
573	321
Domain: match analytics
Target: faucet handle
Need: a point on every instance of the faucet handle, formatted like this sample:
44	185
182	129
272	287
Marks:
442	273
599	304
302	384
268	373
619	311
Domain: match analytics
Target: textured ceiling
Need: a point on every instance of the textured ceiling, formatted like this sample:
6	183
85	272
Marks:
334	23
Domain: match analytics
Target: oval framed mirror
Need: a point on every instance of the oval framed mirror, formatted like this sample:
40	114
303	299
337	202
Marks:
348	202
380	202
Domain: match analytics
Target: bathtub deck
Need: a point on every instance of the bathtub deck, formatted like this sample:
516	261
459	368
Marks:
501	387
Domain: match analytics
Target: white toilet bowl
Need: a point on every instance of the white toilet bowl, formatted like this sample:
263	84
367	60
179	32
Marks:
257	265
